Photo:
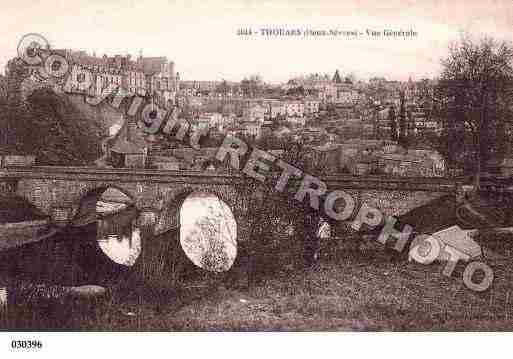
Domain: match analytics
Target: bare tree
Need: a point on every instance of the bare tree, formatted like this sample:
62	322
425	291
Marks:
211	238
402	119
392	123
475	97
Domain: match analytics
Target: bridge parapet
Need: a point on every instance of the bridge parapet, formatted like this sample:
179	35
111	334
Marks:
60	190
200	177
427	184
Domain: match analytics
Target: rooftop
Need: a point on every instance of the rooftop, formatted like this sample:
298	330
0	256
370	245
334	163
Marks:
148	65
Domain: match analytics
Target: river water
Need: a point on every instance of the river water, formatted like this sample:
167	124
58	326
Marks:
207	232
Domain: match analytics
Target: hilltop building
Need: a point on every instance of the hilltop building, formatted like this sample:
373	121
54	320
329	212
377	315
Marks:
143	76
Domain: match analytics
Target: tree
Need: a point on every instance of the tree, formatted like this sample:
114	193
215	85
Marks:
64	136
351	78
410	125
402	119
3	87
392	123
211	241
475	96
336	77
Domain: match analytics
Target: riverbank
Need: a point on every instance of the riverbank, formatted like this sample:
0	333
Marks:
22	223
365	288
17	209
358	290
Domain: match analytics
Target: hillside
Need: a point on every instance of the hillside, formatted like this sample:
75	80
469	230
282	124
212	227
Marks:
104	113
52	127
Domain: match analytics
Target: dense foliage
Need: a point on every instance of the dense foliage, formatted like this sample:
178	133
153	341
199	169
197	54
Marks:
474	99
50	127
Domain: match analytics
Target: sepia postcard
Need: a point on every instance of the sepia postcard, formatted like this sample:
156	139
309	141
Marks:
254	166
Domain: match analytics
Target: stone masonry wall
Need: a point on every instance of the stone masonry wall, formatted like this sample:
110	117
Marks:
163	199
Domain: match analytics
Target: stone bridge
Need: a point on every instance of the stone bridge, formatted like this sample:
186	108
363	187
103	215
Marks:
67	193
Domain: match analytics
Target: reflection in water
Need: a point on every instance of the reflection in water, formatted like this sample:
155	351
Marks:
208	232
117	234
105	208
120	248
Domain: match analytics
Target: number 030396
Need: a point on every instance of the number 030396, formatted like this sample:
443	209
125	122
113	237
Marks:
26	344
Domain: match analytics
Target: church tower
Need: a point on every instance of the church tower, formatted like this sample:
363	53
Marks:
336	78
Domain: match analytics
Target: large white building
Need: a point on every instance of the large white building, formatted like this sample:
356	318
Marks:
92	75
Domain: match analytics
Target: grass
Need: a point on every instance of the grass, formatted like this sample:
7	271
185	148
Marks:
370	294
370	288
347	291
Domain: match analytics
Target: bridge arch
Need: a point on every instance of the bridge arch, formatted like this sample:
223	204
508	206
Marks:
169	216
106	223
207	226
89	197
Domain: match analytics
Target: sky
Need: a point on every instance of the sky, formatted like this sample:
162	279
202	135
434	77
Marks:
201	36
